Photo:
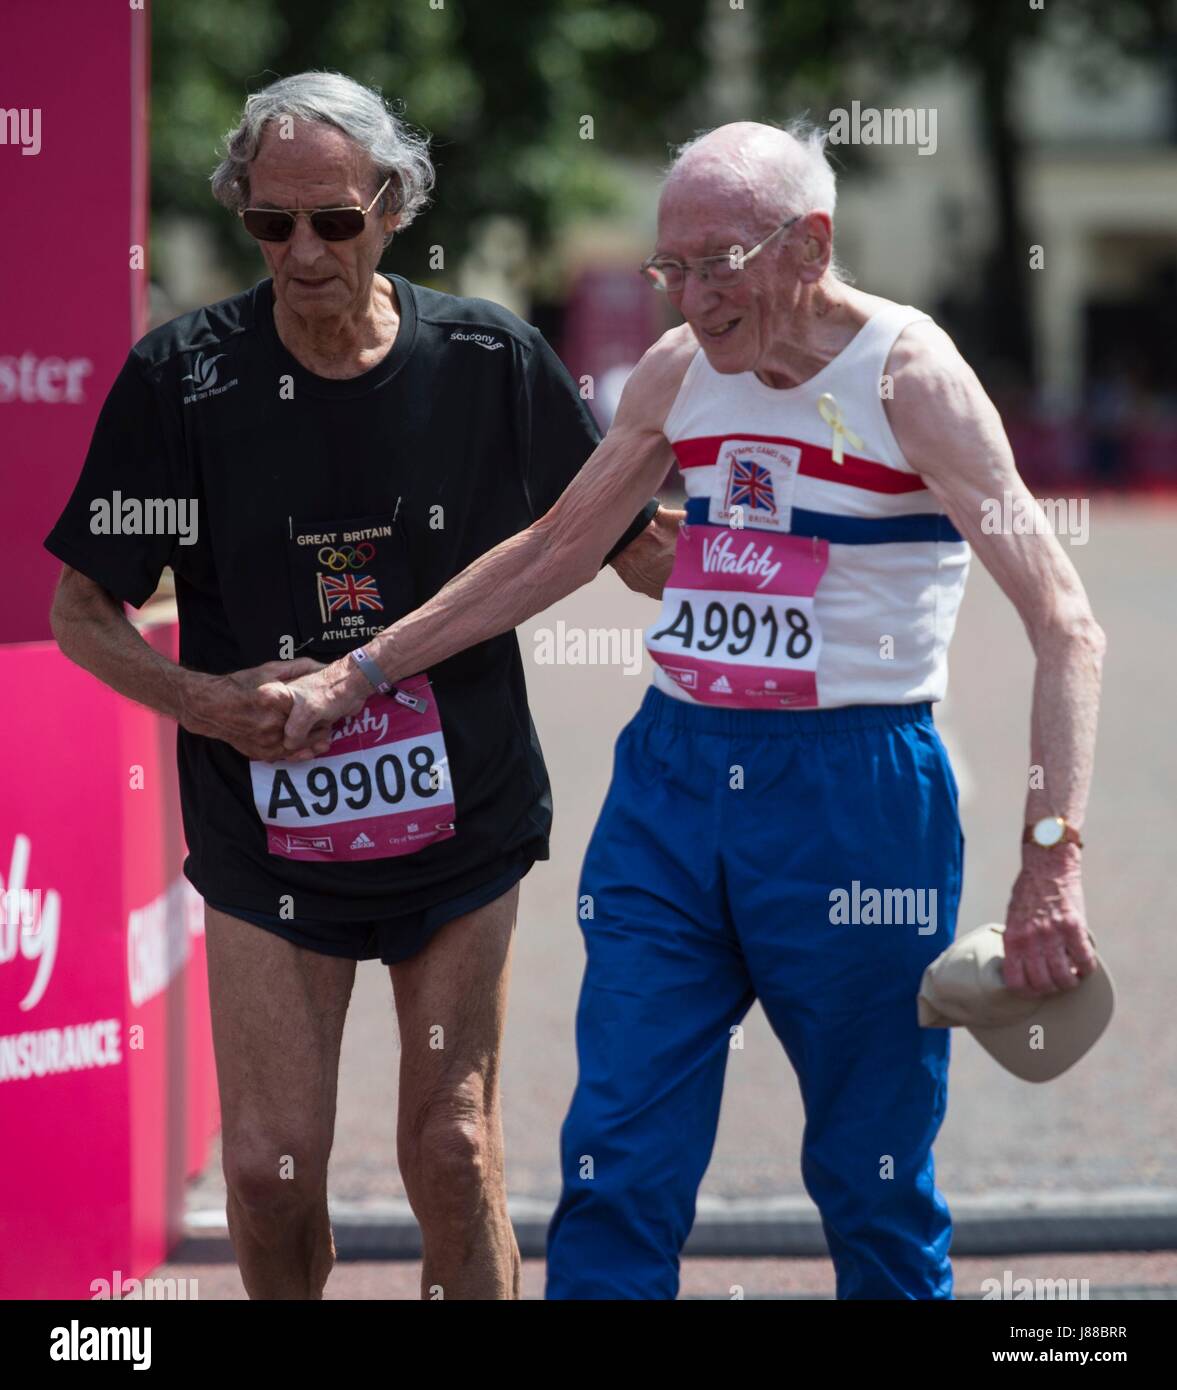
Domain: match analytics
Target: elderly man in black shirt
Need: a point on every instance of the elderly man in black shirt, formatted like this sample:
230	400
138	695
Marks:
345	443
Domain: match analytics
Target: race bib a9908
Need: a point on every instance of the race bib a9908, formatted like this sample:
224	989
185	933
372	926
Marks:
383	790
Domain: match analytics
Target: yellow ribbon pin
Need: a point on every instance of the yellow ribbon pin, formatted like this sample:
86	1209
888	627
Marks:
831	412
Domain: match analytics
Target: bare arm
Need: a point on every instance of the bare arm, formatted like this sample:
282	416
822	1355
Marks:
532	570
951	433
94	632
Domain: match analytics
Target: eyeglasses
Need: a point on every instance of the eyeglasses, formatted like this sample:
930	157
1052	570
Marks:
669	275
332	224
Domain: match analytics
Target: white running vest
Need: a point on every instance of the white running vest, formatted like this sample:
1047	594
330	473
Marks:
815	568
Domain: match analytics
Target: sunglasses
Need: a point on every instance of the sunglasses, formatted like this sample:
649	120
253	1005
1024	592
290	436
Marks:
332	224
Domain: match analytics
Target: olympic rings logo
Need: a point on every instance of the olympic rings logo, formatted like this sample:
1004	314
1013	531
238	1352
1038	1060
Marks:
347	556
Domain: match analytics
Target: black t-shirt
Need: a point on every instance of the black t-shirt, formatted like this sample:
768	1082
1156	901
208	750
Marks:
466	432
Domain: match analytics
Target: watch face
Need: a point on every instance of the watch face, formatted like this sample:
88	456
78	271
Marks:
1048	831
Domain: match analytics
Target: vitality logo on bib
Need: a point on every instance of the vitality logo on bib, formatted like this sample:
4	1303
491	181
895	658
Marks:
382	791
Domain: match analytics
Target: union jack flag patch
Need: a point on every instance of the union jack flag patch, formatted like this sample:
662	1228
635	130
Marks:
349	593
754	484
750	485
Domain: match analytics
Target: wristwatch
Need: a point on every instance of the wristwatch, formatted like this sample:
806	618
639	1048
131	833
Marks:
1051	831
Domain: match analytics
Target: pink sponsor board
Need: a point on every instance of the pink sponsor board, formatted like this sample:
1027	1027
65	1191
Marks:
65	1203
202	1105
75	287
105	1057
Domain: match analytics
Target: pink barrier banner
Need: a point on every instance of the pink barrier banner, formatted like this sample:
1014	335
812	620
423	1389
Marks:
107	1096
203	1110
73	75
107	1083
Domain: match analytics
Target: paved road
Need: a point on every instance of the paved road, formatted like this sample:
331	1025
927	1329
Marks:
1107	1125
1107	1276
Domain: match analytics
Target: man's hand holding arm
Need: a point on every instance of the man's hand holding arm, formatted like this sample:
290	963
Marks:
951	433
645	563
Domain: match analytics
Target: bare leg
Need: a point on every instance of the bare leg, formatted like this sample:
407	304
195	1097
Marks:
277	1016
451	1003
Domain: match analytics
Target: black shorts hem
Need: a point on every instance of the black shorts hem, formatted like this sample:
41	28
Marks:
389	939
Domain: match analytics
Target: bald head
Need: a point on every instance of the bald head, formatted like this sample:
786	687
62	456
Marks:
754	171
760	200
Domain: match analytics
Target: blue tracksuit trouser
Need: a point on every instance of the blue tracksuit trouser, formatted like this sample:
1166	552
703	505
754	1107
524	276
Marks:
742	855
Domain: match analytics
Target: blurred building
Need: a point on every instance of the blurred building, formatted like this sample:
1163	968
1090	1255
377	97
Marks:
1098	183
1099	189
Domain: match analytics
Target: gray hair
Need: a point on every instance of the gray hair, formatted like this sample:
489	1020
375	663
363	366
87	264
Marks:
361	113
806	185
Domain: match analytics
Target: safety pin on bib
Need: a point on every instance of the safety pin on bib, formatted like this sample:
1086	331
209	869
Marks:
414	702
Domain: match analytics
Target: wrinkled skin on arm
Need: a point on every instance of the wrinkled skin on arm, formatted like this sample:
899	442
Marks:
532	570
950	432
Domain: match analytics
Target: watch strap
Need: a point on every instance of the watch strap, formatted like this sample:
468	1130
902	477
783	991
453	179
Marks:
1070	834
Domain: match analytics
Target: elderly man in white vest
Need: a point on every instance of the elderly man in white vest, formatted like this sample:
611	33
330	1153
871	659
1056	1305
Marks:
782	821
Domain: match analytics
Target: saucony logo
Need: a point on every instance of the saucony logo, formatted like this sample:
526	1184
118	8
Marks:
484	340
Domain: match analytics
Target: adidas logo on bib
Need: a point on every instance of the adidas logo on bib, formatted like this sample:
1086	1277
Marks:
721	685
361	841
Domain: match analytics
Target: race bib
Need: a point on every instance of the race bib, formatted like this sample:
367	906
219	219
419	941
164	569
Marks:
383	790
738	625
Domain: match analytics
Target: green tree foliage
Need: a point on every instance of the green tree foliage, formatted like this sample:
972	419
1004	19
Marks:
502	87
843	49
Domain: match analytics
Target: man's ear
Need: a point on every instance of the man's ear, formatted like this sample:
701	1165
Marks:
392	204
818	246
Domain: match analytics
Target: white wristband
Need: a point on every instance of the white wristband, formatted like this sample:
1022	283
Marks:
371	669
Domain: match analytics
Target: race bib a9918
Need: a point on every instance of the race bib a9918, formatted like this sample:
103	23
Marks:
738	625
